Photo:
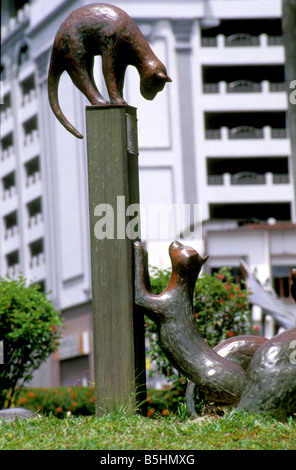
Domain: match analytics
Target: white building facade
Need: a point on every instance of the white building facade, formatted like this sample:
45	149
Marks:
216	136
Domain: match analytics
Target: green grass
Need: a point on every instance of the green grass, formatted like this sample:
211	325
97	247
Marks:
121	431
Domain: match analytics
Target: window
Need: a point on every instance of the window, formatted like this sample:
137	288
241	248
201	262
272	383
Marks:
9	181
10	224
282	280
7	142
24	54
12	258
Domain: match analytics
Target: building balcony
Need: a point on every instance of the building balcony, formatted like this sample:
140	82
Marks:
244	94
11	240
242	48
15	22
13	271
249	187
29	105
33	186
7	121
248	177
241	40
9	200
35	227
31	145
37	267
246	140
7	161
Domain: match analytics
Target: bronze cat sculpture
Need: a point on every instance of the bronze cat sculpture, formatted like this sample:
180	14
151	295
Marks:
106	30
220	380
247	371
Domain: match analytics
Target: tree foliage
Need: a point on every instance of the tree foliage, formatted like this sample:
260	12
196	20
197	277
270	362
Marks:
29	330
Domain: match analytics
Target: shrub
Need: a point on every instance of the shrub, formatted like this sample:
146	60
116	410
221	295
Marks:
59	401
29	330
222	310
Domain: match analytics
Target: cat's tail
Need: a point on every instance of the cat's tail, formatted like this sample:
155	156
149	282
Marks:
54	74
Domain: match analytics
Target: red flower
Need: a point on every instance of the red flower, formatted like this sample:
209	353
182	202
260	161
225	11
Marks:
52	328
230	334
227	286
220	276
221	301
165	412
256	328
22	400
59	409
31	395
231	296
196	315
150	412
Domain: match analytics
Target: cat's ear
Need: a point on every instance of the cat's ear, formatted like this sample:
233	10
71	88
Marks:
205	259
164	76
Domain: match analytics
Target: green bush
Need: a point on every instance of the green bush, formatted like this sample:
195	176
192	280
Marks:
29	329
222	310
59	401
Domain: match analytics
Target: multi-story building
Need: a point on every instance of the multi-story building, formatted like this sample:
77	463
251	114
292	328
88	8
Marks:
216	136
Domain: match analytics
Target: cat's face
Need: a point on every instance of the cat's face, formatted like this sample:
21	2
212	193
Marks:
185	259
153	82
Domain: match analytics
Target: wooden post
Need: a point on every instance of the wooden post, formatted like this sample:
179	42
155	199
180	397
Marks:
118	324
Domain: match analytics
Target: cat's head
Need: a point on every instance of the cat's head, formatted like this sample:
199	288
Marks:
153	80
185	259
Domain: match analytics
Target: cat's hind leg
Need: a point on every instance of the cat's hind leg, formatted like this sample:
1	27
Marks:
113	79
83	81
90	67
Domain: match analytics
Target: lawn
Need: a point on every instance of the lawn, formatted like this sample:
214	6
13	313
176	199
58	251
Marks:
121	431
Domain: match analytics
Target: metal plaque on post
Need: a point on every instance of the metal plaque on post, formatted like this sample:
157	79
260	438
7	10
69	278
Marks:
132	135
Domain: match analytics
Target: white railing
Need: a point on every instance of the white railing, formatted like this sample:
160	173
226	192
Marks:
37	260
9	192
29	97
244	86
13	270
32	137
6	114
248	178
241	40
34	178
7	153
245	132
11	232
22	15
35	219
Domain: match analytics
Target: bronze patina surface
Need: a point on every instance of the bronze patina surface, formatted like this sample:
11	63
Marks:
247	371
220	379
106	30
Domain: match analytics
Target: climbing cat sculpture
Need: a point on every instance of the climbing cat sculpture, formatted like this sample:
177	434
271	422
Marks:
106	30
249	372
